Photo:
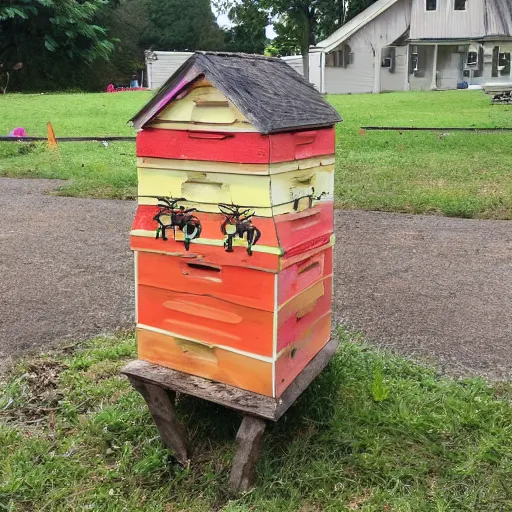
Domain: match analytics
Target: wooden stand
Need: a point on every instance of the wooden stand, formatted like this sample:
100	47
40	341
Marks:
158	385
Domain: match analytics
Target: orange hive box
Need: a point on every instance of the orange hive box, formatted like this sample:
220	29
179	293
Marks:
233	233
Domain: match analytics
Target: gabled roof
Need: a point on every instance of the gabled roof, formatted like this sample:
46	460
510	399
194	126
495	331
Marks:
268	92
498	17
355	24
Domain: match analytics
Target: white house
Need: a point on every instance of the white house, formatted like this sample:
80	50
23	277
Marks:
161	65
400	45
397	45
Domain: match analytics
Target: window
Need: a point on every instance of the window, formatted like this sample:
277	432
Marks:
504	63
431	5
388	59
500	62
472	58
340	58
459	5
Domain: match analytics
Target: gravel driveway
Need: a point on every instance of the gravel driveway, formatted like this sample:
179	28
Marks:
435	288
65	265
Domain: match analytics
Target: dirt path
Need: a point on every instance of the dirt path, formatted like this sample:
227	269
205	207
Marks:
432	287
65	266
436	288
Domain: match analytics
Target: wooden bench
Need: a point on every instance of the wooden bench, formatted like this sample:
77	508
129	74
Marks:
159	385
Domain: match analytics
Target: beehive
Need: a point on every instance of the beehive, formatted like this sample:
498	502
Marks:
233	232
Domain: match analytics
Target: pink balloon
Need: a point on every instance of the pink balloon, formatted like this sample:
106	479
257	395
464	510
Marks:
18	132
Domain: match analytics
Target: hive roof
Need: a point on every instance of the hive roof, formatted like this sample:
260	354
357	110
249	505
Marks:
268	92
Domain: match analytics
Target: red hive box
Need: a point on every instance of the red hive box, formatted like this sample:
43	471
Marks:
234	227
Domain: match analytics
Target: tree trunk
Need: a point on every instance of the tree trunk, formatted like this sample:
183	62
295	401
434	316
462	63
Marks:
305	65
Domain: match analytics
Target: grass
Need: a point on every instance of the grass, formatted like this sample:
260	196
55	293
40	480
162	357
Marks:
455	174
458	174
75	436
92	169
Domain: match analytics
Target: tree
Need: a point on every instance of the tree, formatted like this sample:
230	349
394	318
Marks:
248	32
355	7
48	35
182	26
301	23
127	21
295	26
332	14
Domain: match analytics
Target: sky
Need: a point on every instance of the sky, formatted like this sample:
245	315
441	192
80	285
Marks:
223	21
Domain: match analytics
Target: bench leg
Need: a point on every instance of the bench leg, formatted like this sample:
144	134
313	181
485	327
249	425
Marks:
248	442
161	405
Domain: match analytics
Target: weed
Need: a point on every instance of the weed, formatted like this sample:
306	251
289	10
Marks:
380	390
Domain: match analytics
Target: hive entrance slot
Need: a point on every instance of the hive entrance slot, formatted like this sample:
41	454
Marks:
203	266
309	267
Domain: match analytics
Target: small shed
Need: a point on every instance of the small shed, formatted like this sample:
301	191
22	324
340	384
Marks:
233	233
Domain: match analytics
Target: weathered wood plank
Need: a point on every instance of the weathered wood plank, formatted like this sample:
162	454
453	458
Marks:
222	394
160	402
297	354
212	321
230	396
192	275
243	147
248	441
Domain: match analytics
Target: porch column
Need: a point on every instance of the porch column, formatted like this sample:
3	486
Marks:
376	81
322	72
407	84
434	71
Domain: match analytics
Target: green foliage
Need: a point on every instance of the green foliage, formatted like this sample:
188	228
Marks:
298	24
248	32
75	436
287	40
49	35
126	21
302	23
182	26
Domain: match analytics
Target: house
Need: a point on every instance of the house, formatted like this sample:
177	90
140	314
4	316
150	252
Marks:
161	65
398	45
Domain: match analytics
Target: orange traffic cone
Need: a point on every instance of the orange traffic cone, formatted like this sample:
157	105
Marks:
52	141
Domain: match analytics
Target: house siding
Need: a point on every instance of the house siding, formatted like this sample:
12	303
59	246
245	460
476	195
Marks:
359	77
482	18
395	81
498	18
356	78
164	66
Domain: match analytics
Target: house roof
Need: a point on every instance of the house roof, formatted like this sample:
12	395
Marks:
268	92
355	24
498	17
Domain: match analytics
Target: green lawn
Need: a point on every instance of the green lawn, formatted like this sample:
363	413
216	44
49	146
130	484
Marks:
93	170
457	174
373	433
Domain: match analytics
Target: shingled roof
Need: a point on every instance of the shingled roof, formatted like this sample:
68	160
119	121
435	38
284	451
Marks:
268	92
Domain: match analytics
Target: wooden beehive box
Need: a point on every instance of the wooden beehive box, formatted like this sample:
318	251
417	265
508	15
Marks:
229	134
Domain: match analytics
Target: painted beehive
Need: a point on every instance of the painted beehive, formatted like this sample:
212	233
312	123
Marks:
233	232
